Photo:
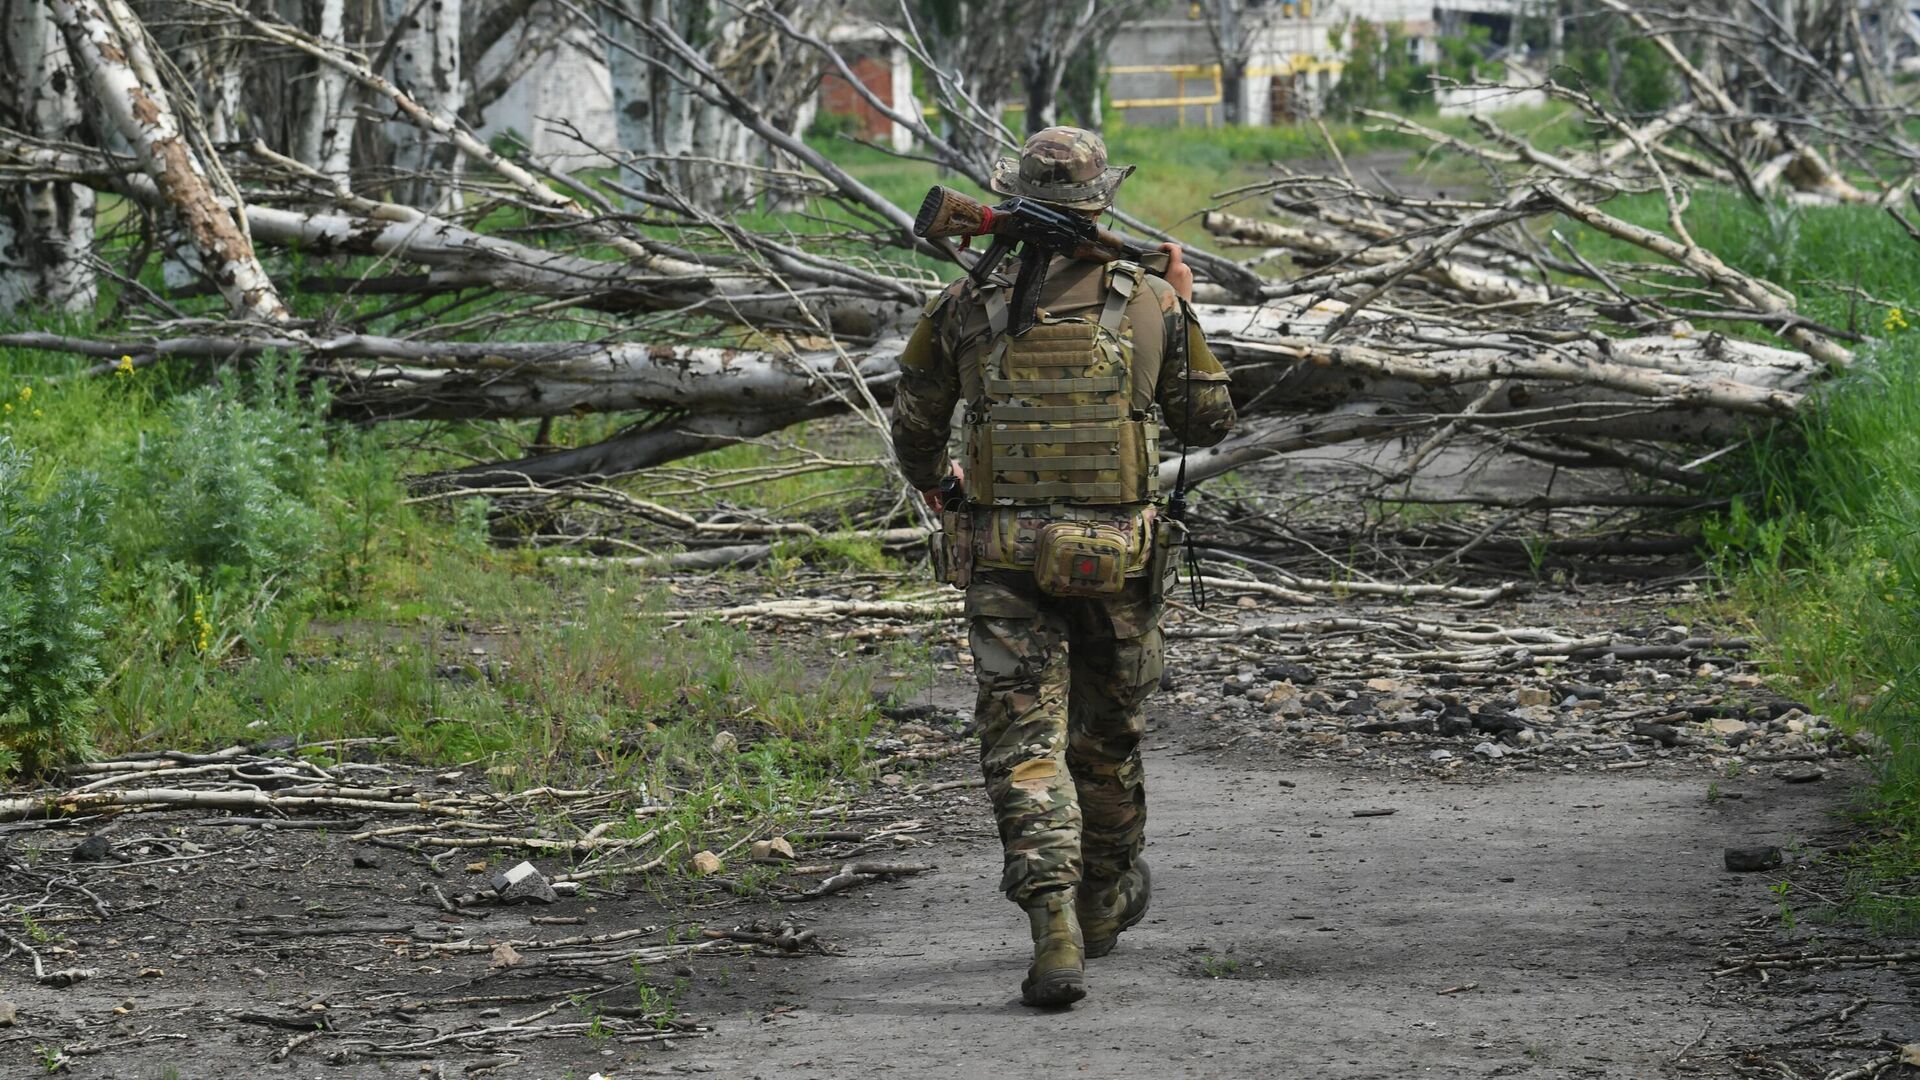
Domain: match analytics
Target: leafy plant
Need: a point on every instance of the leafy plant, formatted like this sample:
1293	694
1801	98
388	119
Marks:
1380	69
1219	967
229	485
51	618
1780	890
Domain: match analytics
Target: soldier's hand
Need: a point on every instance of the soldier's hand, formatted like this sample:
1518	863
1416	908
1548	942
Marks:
935	501
1179	274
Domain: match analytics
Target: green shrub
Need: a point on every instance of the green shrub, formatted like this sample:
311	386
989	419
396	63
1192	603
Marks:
1632	71
1380	71
229	486
51	619
828	126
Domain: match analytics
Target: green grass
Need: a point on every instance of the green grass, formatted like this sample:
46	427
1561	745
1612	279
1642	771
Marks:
1181	170
401	622
1820	550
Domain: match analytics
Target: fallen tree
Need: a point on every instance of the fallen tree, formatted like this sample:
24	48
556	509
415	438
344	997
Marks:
1415	318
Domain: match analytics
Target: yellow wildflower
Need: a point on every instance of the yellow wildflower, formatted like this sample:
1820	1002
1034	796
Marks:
26	393
1895	320
124	368
37	414
202	626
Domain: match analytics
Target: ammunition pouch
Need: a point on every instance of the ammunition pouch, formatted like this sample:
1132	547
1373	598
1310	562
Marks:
1162	567
954	550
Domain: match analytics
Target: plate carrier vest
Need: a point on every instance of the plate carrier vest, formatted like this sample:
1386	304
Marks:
1055	421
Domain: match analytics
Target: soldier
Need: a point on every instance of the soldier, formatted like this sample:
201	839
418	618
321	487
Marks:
1061	546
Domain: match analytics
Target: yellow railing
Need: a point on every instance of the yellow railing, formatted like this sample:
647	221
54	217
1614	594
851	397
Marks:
1182	74
1299	63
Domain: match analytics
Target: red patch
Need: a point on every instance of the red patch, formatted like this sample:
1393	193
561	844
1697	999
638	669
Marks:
1086	567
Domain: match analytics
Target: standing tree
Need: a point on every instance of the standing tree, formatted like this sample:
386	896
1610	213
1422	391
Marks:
46	226
426	65
111	50
1056	33
324	134
673	130
1233	48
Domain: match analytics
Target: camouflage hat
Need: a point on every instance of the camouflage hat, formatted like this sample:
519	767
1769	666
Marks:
1061	165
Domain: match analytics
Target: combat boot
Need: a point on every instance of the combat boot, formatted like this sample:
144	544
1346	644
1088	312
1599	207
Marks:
1058	975
1104	913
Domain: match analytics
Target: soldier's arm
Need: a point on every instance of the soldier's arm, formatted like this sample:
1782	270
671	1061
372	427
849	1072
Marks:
924	400
1194	387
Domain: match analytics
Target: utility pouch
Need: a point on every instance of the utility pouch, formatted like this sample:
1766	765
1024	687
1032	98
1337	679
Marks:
1168	535
1081	558
956	545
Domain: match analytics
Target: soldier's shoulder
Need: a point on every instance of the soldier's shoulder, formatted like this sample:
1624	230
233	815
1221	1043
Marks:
954	297
1162	293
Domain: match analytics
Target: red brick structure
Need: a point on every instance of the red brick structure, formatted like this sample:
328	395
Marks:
839	98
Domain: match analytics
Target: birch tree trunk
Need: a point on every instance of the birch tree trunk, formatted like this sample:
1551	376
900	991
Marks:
637	100
698	140
426	65
46	227
213	66
108	46
695	145
325	138
1043	68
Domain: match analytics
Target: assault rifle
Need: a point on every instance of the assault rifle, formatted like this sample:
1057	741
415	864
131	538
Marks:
1039	230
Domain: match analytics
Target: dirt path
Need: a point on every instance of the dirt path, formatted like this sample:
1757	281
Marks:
1553	858
1289	937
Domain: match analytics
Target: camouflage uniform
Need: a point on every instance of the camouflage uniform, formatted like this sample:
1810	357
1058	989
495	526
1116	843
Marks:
1062	679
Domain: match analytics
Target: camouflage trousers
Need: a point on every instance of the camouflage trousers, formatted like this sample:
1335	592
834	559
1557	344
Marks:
1062	682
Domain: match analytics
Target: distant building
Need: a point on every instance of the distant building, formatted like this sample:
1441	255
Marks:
1163	71
886	71
1166	71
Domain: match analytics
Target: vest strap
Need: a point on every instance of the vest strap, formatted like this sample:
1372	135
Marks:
995	300
1123	280
1064	463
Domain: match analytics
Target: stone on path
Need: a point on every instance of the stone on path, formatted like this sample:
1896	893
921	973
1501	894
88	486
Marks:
776	848
523	884
1747	860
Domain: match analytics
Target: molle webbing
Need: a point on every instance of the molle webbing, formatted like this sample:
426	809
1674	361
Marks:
1106	385
1056	414
1055	422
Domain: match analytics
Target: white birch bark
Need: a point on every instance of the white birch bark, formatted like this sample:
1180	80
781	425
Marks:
222	77
46	227
426	67
459	257
326	122
1473	284
696	146
637	98
109	47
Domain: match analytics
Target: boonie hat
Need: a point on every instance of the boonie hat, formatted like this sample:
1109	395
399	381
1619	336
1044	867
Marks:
1066	166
